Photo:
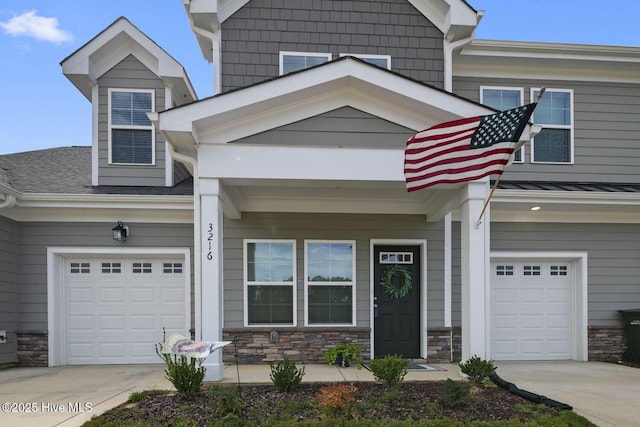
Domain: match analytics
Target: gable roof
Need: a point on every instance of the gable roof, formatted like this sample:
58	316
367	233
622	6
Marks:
343	82
455	18
119	40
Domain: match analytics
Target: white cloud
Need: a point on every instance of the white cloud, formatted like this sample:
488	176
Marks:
39	27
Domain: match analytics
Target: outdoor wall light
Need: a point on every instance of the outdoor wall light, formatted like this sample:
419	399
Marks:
535	208
120	232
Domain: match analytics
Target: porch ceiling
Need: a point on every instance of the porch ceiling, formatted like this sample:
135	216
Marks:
329	196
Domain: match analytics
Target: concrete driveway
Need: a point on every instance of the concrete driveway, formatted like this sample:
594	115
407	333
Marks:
607	394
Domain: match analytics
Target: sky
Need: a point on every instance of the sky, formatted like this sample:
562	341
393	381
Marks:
40	108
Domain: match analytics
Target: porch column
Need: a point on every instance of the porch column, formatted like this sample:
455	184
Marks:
475	267
211	273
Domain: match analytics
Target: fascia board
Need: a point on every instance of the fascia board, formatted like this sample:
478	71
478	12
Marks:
130	201
566	197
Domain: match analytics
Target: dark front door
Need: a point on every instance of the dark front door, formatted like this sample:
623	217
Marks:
396	309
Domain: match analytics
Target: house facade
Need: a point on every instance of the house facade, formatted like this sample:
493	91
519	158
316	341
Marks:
272	213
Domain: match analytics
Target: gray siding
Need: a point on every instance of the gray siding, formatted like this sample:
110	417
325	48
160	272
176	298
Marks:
346	127
8	300
32	256
607	131
361	228
253	37
613	259
180	172
129	74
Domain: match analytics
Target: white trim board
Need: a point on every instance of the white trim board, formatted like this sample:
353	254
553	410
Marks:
55	292
579	288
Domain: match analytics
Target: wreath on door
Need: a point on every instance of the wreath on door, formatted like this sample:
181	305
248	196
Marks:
396	288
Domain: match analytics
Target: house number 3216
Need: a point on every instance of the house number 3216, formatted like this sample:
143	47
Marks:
210	241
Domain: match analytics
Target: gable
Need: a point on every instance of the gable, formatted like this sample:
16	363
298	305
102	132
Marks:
343	127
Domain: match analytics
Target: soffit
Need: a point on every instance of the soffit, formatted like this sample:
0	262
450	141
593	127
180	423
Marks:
522	60
116	42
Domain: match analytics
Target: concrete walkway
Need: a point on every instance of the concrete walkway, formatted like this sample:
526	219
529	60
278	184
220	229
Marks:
68	396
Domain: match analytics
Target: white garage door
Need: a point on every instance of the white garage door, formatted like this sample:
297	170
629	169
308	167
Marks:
531	311
115	309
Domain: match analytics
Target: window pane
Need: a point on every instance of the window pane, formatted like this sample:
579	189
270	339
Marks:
269	262
292	63
501	99
131	146
330	304
380	62
551	145
129	108
553	109
330	262
270	304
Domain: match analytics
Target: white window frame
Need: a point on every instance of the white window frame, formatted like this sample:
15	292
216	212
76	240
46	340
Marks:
302	54
246	284
365	56
150	128
570	127
511	89
307	283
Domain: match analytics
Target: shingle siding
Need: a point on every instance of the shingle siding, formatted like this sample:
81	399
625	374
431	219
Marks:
606	124
253	37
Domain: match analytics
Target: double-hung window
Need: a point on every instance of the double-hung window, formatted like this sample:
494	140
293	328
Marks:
131	134
270	280
330	282
296	61
554	143
503	99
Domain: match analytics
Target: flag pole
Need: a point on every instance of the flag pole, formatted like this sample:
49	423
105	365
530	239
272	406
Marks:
495	184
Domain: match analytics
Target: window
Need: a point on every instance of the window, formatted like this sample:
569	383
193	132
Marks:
269	275
554	143
503	99
504	270
141	268
330	282
382	61
79	268
111	267
131	134
296	61
171	268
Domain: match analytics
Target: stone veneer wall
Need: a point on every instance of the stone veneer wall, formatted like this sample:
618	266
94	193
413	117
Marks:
440	341
606	343
33	348
254	345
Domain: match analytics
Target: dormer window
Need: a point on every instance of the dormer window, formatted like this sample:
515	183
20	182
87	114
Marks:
296	61
131	134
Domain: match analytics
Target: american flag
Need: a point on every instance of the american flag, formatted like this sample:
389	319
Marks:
464	150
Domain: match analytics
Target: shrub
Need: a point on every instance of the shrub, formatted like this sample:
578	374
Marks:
389	370
477	369
286	376
185	373
456	393
336	397
343	354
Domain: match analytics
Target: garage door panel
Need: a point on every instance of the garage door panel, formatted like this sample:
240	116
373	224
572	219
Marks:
142	295
538	309
118	318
